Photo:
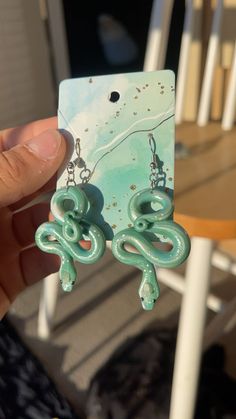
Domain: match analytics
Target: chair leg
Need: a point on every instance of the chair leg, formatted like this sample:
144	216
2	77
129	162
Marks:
183	61
176	282
191	328
205	98
158	35
230	103
47	305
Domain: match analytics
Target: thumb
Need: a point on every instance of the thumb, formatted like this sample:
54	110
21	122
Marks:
27	167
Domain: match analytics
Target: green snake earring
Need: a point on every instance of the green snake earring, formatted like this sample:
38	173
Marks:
62	236
145	225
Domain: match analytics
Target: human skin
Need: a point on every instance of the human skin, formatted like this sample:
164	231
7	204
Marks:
30	156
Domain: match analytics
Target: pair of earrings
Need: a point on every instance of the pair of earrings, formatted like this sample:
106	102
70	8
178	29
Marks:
62	236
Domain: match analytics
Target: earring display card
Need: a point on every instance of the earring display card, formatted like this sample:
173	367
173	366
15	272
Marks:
121	123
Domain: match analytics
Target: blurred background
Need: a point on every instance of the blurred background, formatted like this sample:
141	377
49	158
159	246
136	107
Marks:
45	41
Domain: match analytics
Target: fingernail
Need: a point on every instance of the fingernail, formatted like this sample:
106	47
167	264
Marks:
45	145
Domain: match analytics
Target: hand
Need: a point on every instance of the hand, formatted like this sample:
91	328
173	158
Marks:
29	157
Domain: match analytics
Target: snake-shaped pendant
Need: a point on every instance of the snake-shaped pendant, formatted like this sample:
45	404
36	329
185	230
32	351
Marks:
62	236
157	223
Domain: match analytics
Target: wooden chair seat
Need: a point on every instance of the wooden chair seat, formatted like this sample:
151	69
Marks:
205	181
205	227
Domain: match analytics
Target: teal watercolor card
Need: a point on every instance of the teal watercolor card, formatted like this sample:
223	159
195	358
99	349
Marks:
121	121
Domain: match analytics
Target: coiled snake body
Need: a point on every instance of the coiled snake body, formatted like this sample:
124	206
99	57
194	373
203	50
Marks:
154	223
62	236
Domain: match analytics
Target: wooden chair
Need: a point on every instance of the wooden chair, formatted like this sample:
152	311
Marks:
203	187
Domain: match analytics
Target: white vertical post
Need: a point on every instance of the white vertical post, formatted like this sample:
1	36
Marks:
205	98
191	327
47	305
230	102
158	35
183	61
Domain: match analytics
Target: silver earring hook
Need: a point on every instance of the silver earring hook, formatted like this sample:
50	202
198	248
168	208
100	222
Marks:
154	163
158	175
85	173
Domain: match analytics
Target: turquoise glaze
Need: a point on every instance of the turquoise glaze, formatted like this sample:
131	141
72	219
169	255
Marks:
62	236
158	223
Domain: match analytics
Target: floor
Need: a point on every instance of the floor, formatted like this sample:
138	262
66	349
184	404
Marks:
101	312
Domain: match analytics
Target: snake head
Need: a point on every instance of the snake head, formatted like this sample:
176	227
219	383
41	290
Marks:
148	295
67	274
148	303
